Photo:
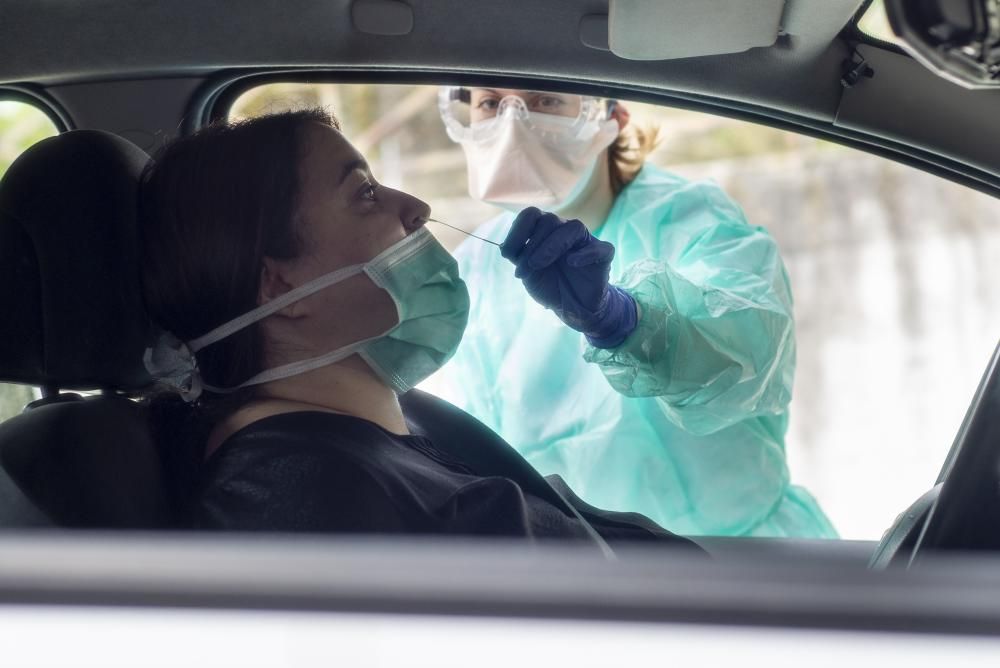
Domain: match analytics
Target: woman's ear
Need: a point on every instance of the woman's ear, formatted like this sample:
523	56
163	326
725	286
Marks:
274	282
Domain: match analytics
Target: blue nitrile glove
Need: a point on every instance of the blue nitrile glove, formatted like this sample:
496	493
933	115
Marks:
566	269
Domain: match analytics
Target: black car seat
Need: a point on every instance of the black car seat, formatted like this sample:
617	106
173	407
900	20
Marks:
73	320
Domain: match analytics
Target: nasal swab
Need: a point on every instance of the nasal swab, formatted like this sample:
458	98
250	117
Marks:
433	220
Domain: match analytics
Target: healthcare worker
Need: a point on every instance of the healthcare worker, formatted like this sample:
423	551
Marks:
658	383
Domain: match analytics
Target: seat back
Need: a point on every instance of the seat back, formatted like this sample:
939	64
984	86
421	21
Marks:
73	319
83	463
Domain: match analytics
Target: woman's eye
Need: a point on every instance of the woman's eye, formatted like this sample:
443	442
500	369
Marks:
548	103
368	192
488	104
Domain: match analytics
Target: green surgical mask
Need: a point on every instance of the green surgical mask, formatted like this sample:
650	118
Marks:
432	303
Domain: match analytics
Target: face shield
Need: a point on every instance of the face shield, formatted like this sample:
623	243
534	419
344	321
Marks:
528	149
477	114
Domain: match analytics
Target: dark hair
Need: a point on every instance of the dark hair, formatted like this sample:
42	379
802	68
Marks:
212	206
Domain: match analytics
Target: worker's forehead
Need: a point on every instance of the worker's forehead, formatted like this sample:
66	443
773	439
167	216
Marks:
519	92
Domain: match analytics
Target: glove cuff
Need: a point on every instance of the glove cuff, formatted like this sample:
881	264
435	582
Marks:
620	318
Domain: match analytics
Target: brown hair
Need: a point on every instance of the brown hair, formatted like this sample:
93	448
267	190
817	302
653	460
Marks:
628	153
212	206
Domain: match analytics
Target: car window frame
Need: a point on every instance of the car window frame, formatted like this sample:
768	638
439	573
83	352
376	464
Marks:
860	36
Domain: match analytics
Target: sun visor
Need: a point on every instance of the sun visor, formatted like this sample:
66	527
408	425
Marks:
666	29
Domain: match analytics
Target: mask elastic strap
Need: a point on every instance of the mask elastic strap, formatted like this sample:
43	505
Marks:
407	245
273	306
400	250
295	368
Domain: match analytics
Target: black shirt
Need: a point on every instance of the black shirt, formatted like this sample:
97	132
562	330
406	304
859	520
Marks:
325	472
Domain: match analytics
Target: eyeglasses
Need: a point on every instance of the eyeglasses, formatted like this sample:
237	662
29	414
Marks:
474	113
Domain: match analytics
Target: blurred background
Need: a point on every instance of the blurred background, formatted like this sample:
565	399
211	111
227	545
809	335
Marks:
895	273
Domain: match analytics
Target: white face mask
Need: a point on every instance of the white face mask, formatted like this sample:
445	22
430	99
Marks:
547	162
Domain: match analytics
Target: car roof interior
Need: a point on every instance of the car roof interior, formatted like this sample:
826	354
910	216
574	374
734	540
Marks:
147	73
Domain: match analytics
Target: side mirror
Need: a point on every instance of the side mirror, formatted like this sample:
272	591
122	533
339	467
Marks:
957	39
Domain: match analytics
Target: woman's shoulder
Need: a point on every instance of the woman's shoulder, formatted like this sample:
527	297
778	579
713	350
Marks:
296	434
311	446
298	471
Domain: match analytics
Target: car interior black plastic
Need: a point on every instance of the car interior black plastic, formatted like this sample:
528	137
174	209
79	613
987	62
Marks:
898	542
74	319
966	513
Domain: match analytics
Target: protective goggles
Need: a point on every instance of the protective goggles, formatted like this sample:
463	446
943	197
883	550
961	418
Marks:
473	114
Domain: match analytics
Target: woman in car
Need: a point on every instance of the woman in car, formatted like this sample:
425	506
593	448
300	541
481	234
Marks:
674	402
299	298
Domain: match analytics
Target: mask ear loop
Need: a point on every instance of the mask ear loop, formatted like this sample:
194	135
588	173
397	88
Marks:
273	306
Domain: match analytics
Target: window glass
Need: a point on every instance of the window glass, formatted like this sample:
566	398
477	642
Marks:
21	125
875	23
896	293
13	399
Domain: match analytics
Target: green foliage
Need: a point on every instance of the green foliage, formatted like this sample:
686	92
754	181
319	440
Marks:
13	398
21	125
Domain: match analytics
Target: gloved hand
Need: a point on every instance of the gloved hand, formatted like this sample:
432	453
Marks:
566	269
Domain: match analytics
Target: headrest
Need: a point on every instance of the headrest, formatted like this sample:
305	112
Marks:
70	299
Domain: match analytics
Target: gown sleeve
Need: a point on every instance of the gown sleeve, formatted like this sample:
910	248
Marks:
715	341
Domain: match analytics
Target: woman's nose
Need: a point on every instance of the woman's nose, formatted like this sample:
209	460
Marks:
414	213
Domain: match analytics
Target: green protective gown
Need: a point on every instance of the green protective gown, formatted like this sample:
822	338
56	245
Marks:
685	421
